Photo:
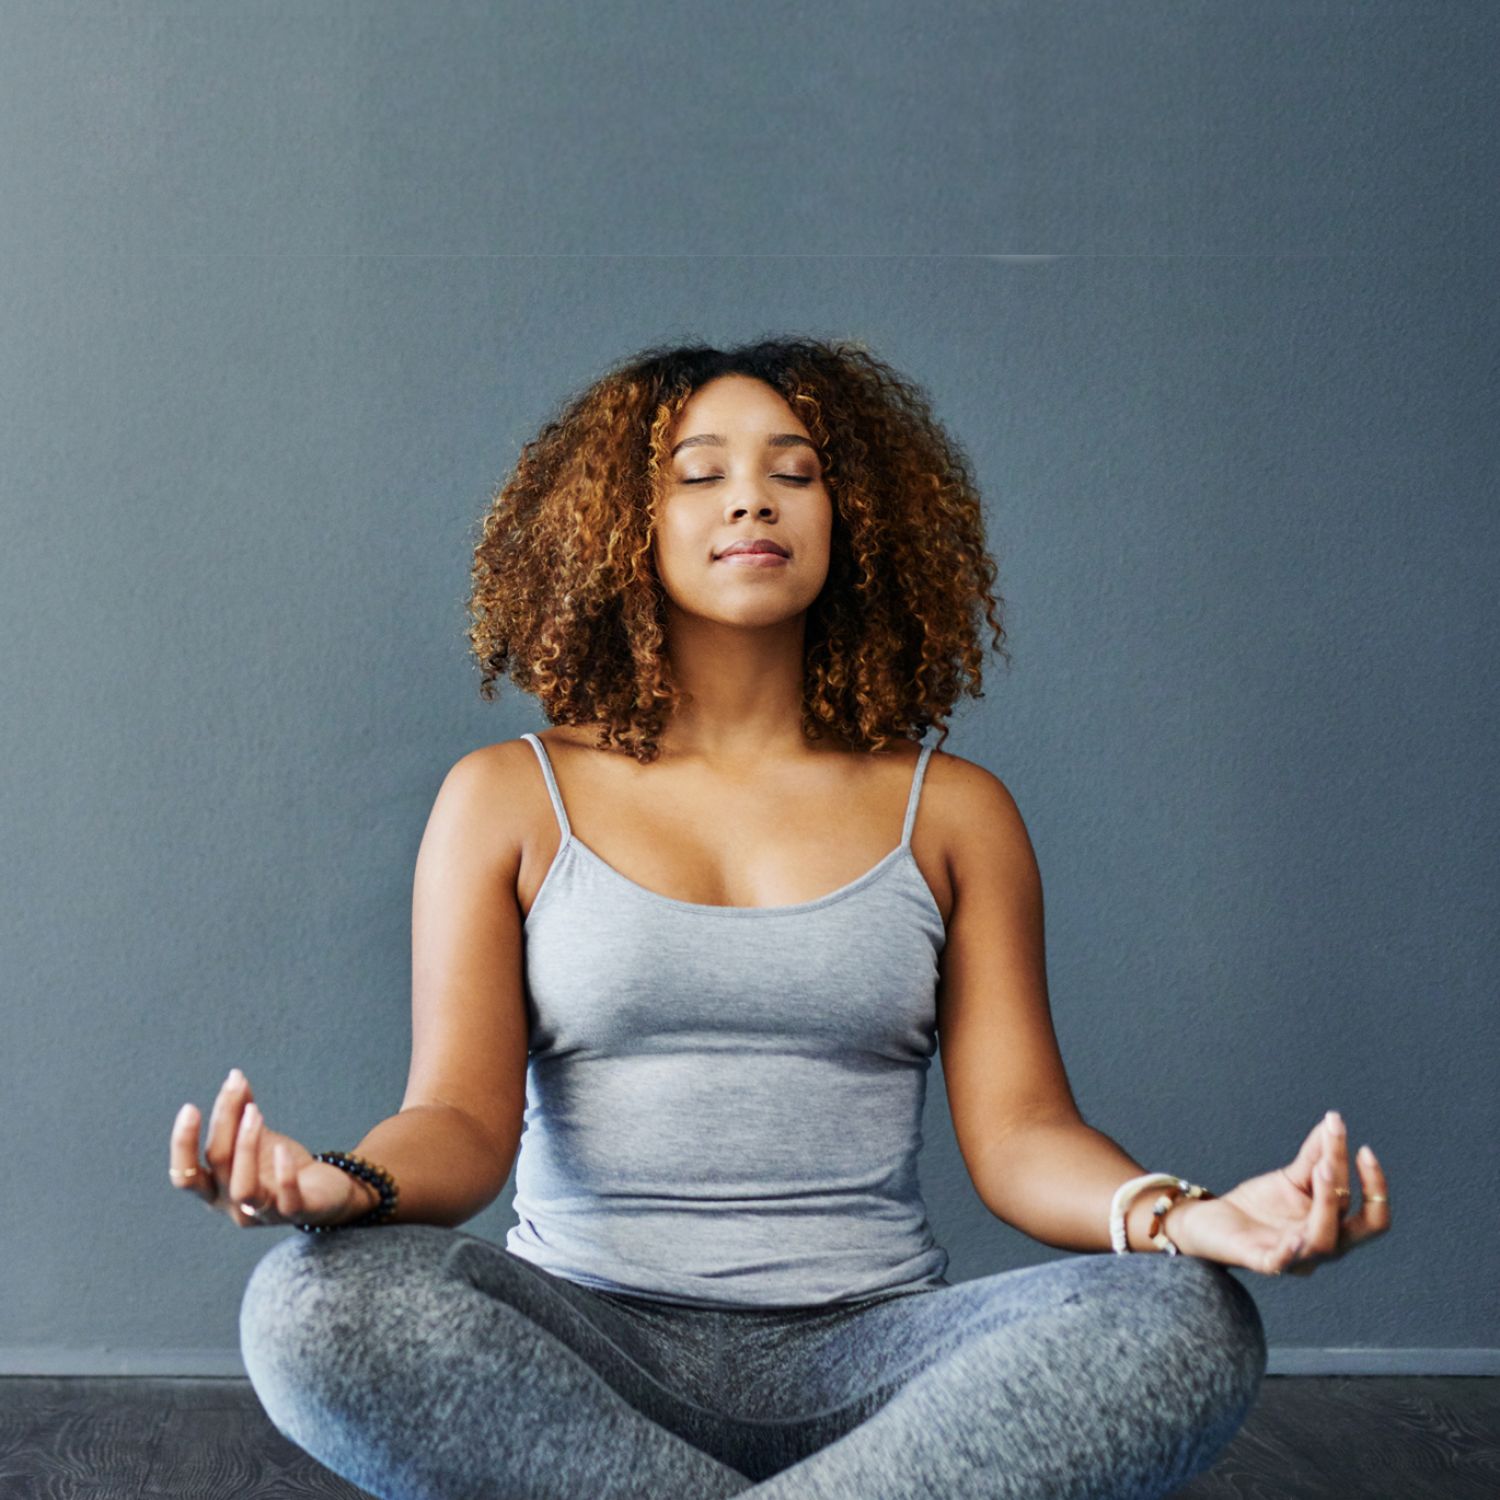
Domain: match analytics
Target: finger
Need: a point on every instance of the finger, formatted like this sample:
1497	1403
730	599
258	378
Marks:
1371	1218
244	1177
1338	1157
184	1170
1326	1144
288	1195
224	1128
1281	1255
1324	1215
1299	1171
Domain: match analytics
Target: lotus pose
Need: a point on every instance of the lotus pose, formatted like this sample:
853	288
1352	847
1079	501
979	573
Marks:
683	960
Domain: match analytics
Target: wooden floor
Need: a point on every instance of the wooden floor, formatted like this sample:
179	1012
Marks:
1309	1438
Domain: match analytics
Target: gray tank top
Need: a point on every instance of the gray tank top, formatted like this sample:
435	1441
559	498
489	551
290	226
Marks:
724	1103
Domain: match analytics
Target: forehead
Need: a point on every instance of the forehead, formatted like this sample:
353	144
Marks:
739	404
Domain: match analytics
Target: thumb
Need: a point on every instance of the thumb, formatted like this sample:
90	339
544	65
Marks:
1220	1231
310	1191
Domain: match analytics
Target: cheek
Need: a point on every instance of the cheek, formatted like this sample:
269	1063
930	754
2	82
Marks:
820	535
678	551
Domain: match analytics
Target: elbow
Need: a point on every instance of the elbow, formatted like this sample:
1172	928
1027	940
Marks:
1019	1166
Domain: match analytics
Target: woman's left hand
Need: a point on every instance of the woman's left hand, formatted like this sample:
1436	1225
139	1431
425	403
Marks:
1292	1218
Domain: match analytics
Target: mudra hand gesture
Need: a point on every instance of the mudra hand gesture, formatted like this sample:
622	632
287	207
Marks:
1292	1218
257	1175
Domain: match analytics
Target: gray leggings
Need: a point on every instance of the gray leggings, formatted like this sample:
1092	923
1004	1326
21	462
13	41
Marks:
422	1362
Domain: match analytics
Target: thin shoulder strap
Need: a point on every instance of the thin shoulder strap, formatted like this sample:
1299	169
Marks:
916	793
552	791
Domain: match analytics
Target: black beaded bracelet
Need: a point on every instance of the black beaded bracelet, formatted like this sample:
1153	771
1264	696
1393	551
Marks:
366	1171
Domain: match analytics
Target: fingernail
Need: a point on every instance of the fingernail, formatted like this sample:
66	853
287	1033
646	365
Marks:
235	1076
1335	1119
252	1113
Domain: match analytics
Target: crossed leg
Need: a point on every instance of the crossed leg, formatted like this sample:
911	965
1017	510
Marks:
1091	1377
422	1363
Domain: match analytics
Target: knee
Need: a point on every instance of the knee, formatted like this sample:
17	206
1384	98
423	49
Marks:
293	1304
1185	1318
307	1318
1215	1328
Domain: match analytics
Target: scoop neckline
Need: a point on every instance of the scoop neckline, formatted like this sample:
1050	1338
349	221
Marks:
850	888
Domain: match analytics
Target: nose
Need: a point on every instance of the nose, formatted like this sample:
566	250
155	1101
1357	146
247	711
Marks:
763	505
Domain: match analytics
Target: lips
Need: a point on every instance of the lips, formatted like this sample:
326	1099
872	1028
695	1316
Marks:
759	544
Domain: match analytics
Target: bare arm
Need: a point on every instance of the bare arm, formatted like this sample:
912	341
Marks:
1034	1161
453	1143
445	1167
1055	1179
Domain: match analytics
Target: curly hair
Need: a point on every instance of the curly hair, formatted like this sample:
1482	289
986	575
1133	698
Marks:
566	601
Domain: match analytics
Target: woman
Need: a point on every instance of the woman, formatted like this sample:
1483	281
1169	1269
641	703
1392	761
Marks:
699	938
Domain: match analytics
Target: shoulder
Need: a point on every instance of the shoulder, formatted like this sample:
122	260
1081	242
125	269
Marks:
494	796
975	813
493	771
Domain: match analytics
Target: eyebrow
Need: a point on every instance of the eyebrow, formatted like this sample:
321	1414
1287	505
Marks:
715	440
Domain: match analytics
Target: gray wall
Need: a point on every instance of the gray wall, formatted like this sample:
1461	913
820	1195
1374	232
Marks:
1207	291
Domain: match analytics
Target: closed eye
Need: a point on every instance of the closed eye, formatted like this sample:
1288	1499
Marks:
790	478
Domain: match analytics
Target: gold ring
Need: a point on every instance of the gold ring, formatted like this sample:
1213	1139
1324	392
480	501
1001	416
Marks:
182	1171
1376	1198
1341	1192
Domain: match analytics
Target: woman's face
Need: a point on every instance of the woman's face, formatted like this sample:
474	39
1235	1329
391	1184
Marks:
742	468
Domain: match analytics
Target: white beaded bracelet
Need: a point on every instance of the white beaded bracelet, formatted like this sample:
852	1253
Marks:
1127	1193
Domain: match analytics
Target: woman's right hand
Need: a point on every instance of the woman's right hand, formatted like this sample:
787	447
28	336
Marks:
256	1175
